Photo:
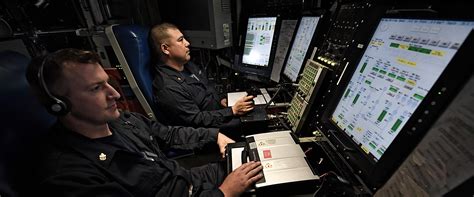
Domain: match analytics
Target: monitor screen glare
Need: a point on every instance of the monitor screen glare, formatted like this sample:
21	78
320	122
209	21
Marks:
258	41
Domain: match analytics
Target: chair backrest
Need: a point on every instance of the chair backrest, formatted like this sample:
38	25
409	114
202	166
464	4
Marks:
130	44
23	121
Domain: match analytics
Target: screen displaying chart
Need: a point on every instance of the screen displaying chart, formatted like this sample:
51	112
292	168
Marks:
258	41
403	60
300	46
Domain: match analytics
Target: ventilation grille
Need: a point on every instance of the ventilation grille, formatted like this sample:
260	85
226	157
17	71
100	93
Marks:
225	5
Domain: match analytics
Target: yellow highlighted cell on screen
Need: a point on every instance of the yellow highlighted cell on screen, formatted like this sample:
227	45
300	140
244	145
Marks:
402	46
406	62
411	82
438	53
365	149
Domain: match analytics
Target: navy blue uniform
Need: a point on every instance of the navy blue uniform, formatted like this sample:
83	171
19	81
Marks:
127	163
185	98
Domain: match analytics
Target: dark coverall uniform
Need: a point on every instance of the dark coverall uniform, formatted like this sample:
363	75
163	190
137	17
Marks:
185	98
127	163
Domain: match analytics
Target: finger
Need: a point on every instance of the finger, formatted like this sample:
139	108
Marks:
255	170
255	178
246	102
245	98
244	166
251	166
249	103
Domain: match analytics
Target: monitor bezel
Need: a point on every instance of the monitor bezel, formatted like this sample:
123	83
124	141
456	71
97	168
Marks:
375	174
278	72
314	42
262	71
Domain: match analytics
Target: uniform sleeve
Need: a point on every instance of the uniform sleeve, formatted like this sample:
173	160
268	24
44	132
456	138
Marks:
179	104
180	137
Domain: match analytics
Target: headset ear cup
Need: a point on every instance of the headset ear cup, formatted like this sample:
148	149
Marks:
60	106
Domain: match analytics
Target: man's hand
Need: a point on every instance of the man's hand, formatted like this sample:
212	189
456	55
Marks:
241	179
243	105
224	102
222	141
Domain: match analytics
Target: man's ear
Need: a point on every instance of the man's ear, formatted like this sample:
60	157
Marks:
164	49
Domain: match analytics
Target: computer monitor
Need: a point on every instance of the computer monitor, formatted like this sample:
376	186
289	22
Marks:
259	40
205	23
402	72
300	48
259	46
287	30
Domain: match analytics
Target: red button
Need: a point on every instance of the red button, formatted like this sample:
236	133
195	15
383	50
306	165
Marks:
267	154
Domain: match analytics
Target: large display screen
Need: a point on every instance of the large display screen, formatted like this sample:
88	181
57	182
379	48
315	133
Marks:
300	46
259	40
403	60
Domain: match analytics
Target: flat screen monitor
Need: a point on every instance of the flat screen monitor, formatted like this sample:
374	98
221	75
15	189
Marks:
300	46
205	23
259	41
261	36
397	71
287	30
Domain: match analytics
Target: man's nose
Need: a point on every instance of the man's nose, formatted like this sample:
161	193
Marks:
112	94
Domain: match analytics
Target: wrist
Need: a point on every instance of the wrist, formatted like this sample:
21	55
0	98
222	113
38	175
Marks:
234	110
218	137
226	192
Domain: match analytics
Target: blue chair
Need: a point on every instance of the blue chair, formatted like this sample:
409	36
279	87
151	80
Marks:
130	44
24	120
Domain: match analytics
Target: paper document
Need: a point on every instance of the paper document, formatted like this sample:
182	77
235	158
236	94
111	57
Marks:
232	98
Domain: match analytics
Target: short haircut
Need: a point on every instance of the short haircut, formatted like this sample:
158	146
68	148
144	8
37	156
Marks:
158	34
53	67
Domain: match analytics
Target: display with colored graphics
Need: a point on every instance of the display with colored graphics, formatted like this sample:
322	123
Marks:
300	46
403	60
259	40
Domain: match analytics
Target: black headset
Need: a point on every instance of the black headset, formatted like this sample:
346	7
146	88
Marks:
58	106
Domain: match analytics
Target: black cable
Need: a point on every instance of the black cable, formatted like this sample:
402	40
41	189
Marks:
282	122
320	186
273	97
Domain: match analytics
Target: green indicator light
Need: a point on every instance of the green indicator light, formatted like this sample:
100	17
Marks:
382	115
419	97
401	78
394	45
396	125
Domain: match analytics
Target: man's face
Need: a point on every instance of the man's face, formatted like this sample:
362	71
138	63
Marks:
92	98
177	46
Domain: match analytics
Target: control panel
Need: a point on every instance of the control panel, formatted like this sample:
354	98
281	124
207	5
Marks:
308	86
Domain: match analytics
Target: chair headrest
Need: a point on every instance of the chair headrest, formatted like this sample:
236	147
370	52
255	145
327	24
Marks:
133	40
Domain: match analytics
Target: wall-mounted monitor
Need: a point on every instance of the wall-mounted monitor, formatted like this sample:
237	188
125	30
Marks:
398	82
300	47
204	23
